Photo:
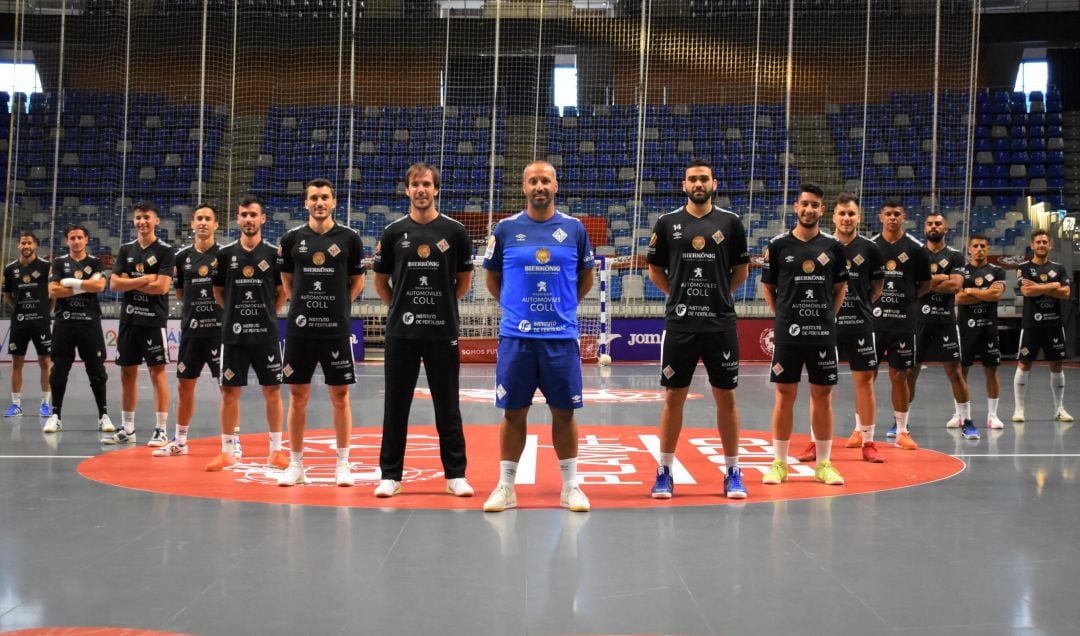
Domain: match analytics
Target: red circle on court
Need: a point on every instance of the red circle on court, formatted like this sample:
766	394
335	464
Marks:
616	467
88	631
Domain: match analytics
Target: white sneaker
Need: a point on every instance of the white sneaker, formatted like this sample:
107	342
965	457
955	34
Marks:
172	449
1062	415
574	499
458	487
501	498
954	422
158	439
387	488
343	475
292	475
105	425
994	422
1018	415
52	425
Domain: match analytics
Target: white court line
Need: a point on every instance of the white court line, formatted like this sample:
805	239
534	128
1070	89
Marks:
46	456
1021	455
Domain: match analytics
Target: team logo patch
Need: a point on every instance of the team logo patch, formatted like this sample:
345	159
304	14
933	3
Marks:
87	269
180	366
334	250
408	318
543	255
26	278
989	278
698	243
926	309
1052	274
858	260
808	266
652	239
1042	277
979	281
877	312
718	237
765	255
559	235
823	258
524	326
423	250
777	368
971	322
139	267
794	330
35	274
500	391
821	354
152	260
301	321
318	258
237	328
668	372
248	271
203	270
903	258
680	310
1024	351
1037	317
229	374
933	268
443	245
193	324
943	263
287	370
890	265
263	266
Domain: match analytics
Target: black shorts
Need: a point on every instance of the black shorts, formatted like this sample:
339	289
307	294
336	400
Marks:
898	349
20	337
937	343
333	355
1051	340
196	352
680	352
265	358
980	343
788	361
858	350
136	343
84	338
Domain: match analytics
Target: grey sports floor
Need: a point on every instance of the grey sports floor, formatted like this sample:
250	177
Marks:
993	550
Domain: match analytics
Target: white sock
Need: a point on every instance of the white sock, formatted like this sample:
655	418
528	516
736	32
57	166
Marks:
956	410
964	411
181	434
296	457
568	470
343	455
780	449
731	461
667	459
901	421
813	440
1057	386
16	399
858	423
868	434
275	441
507	473
824	450
127	420
162	420
1020	380
46	397
227	444
991	407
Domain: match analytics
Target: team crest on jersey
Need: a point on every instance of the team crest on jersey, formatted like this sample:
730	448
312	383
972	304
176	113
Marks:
1052	274
823	258
78	273
933	268
26	278
334	249
35	274
989	278
442	245
263	266
559	235
890	265
698	243
1042	277
903	257
150	261
943	263
808	266
858	260
139	267
423	250
318	258
248	271
543	255
718	237
979	281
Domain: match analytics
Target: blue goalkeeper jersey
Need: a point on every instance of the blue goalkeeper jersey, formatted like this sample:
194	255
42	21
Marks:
540	264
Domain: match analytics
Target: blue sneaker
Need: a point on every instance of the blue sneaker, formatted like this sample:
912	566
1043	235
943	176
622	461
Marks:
45	410
892	431
13	411
733	486
969	431
664	485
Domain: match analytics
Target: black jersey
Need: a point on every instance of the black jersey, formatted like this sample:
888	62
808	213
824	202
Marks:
865	266
321	266
423	261
136	307
983	313
906	266
1045	310
29	289
250	280
80	308
934	308
804	273
699	255
194	269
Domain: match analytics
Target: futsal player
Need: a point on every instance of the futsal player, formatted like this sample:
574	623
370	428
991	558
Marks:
938	335
697	256
26	289
143	272
423	267
321	271
1045	286
200	324
247	285
75	282
538	264
907	276
977	302
804	278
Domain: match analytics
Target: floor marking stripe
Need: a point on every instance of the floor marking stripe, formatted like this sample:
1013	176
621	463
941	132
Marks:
46	456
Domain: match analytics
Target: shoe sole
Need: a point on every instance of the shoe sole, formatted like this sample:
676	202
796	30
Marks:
508	506
459	494
873	460
575	508
773	482
735	495
1018	419
298	482
57	430
386	495
829	483
661	495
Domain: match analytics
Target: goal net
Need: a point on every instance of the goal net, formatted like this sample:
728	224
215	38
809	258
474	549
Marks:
480	314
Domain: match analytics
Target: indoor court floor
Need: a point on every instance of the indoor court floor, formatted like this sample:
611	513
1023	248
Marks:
959	538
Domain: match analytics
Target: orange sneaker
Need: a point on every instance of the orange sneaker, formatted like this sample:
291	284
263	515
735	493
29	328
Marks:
808	455
904	441
870	453
221	462
278	459
855	441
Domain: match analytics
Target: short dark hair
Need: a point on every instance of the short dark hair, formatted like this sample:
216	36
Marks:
936	213
698	162
251	199
26	233
145	206
205	206
320	183
892	203
812	188
1039	232
847	197
75	227
977	237
422	167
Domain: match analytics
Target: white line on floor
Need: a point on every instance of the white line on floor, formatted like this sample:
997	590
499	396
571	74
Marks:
46	456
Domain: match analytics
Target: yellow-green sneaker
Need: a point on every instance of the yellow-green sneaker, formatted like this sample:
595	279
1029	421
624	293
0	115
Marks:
826	474
777	473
